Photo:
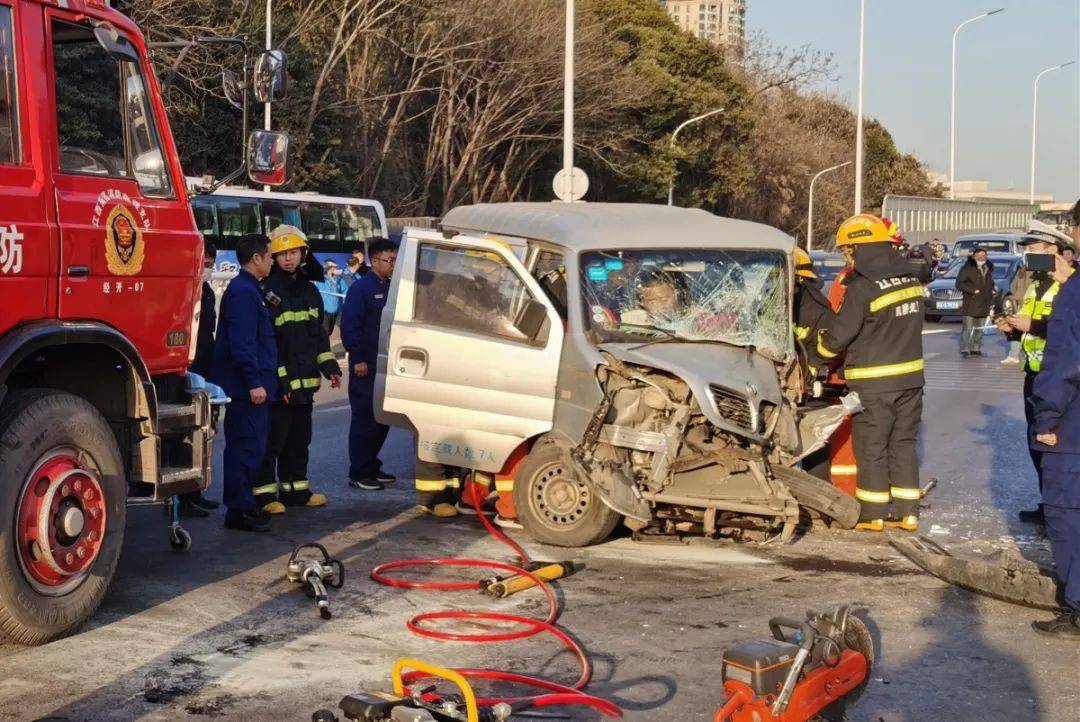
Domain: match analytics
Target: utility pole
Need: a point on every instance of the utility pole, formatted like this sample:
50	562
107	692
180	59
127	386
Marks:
269	41
859	114
568	98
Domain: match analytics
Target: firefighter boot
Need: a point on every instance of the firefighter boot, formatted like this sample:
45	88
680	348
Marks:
871	525
907	523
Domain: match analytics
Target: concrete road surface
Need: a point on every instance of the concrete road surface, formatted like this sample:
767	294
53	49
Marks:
217	632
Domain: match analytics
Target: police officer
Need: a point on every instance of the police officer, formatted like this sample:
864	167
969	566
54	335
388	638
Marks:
245	366
879	329
1032	321
360	319
1055	402
304	356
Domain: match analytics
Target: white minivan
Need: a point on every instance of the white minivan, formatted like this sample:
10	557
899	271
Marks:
619	363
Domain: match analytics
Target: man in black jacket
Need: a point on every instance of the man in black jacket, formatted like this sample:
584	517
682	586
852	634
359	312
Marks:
976	282
303	351
879	330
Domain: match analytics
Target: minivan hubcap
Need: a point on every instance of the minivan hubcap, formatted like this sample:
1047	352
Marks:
60	523
558	498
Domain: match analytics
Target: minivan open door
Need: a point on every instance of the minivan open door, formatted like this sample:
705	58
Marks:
469	350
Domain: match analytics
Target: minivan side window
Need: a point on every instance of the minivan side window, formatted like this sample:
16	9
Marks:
9	98
469	290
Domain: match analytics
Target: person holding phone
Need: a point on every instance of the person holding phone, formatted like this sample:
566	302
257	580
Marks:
1043	259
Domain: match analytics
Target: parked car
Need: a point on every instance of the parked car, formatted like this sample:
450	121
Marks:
828	266
941	297
1007	242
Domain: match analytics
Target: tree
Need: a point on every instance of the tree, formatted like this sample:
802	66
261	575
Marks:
428	104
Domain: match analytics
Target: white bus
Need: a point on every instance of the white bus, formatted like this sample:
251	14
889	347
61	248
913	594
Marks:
335	226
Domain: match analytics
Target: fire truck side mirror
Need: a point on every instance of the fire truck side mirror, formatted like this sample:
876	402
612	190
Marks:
114	43
271	82
233	89
268	157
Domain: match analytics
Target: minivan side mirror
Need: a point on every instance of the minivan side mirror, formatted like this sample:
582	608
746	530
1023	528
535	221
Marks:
268	157
531	320
271	82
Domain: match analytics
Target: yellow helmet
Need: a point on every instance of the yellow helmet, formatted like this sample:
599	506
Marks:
803	265
285	238
864	228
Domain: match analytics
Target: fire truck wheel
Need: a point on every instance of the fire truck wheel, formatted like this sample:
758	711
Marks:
63	502
554	506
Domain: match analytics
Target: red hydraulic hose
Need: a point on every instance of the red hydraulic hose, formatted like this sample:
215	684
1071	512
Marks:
554	693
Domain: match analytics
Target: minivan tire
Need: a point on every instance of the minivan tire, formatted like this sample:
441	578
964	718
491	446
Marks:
34	423
557	508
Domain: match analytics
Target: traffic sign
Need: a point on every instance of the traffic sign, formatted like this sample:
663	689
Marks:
573	188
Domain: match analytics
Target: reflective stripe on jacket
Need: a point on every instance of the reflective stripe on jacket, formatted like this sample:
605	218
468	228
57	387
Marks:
1038	308
878	327
303	347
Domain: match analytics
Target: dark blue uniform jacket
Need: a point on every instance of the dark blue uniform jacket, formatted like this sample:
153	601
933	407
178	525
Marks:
245	352
360	318
1056	400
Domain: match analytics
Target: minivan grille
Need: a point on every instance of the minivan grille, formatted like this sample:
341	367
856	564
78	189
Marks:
733	408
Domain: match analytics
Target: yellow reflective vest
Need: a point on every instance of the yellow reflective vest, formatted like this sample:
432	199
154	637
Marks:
1038	308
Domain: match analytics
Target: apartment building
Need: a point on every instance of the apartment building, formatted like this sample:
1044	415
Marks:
722	22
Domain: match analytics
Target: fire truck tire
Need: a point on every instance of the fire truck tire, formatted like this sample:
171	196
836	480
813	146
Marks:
554	506
39	428
820	496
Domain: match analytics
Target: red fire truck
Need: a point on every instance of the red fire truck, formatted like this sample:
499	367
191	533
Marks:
100	267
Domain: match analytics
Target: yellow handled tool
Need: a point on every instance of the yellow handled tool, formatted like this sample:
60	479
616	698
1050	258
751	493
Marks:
505	586
472	712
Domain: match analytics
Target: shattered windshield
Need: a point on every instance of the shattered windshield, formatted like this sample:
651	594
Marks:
733	296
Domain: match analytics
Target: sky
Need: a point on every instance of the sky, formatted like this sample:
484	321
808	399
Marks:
908	46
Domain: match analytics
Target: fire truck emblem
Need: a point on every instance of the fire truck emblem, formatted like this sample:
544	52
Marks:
124	244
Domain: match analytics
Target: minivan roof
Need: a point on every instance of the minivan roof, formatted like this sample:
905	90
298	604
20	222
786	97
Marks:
583	226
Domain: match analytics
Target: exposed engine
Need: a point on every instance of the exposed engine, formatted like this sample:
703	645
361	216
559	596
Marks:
656	458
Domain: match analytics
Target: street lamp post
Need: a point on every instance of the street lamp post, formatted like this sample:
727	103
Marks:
859	113
674	136
269	41
1035	119
952	102
568	97
810	209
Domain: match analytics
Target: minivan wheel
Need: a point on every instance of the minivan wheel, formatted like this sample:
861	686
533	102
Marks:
62	513
554	506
